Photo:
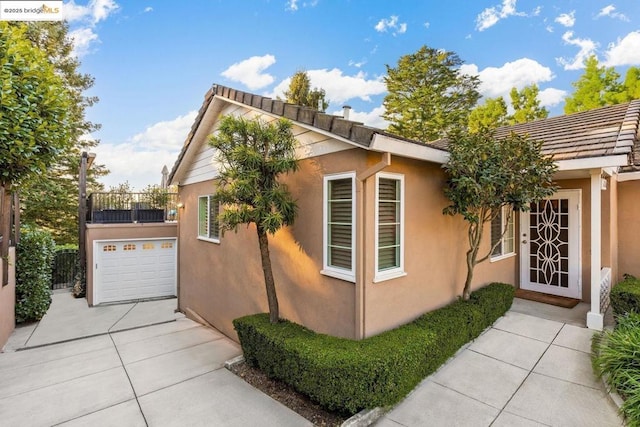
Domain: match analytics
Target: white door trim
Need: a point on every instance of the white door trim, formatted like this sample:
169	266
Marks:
574	289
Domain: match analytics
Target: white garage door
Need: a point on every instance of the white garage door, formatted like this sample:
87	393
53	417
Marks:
134	269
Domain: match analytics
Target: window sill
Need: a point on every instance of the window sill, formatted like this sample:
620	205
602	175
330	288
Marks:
339	275
207	239
382	277
501	257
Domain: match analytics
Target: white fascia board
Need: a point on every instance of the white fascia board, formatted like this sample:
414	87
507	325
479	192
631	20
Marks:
402	148
593	162
628	176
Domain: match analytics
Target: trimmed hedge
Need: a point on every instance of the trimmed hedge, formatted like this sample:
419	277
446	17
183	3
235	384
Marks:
34	255
346	375
625	296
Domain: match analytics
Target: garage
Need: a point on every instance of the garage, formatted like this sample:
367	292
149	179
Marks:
127	270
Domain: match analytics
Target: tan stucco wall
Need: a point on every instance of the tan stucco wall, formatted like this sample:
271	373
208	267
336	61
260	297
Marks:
122	232
629	223
435	252
8	299
220	282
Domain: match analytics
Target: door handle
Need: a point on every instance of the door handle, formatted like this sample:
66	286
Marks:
524	242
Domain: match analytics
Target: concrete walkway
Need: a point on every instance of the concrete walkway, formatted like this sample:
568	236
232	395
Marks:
164	375
524	371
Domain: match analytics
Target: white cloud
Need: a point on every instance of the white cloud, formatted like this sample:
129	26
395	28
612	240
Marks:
551	97
338	87
140	159
587	48
491	15
567	19
499	81
372	118
610	12
427	24
625	51
148	9
83	40
249	72
74	12
357	64
292	5
392	24
101	9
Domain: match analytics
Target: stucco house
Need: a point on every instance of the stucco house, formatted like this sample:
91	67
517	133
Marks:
371	249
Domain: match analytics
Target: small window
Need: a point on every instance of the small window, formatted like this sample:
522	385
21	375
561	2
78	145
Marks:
109	248
502	233
148	246
389	222
129	247
339	226
208	225
166	245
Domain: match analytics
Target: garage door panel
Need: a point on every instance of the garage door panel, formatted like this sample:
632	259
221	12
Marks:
127	270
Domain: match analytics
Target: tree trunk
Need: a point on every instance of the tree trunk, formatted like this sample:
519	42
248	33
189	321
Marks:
475	238
272	298
466	292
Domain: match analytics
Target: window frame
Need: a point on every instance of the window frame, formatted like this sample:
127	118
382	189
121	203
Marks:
329	270
504	234
210	222
393	272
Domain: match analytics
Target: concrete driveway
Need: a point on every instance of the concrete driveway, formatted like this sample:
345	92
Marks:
170	374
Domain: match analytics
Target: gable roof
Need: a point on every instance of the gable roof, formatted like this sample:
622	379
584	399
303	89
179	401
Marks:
612	131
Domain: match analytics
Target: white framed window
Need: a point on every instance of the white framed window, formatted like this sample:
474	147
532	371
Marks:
503	234
389	226
208	226
339	226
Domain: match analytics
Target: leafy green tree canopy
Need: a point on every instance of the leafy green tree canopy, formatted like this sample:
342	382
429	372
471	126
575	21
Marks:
597	87
428	97
253	155
526	105
492	114
300	92
485	174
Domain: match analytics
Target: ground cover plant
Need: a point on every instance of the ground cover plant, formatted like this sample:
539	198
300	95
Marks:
616	356
625	296
347	376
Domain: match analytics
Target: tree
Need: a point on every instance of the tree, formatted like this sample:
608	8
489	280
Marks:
51	201
490	115
253	155
300	92
428	95
526	105
34	116
597	87
631	85
485	174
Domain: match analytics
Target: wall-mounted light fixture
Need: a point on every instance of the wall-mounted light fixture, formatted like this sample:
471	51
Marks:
180	205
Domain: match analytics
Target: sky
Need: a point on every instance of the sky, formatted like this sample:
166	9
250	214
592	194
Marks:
153	61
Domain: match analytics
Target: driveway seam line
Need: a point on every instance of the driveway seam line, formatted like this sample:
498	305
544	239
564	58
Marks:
466	395
498	360
89	413
184	381
135	395
169	352
122	317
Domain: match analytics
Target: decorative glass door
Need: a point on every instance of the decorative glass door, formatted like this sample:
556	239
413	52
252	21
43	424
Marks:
550	245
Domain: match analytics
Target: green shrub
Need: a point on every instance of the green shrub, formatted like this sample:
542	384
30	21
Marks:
625	296
34	255
346	375
616	355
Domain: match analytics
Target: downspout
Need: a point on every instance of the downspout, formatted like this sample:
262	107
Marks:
360	240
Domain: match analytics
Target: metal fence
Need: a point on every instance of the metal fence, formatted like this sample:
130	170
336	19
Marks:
132	207
64	268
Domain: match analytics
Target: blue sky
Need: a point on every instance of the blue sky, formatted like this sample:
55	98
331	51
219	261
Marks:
153	61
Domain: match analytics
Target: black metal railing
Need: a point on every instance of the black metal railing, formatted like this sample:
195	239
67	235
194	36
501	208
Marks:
113	208
64	268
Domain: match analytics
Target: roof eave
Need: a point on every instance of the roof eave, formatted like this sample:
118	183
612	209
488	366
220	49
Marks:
403	148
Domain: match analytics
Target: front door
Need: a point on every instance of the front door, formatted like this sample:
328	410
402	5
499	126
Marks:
550	245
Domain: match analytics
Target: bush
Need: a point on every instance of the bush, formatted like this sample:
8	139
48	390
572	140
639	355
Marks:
346	375
615	355
34	255
625	296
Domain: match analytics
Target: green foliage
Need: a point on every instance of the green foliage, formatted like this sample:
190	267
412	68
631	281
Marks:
34	124
300	92
597	87
625	297
490	115
485	174
34	255
631	85
429	97
346	375
155	196
526	105
615	356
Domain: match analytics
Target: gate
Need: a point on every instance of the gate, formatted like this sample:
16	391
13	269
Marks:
64	268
